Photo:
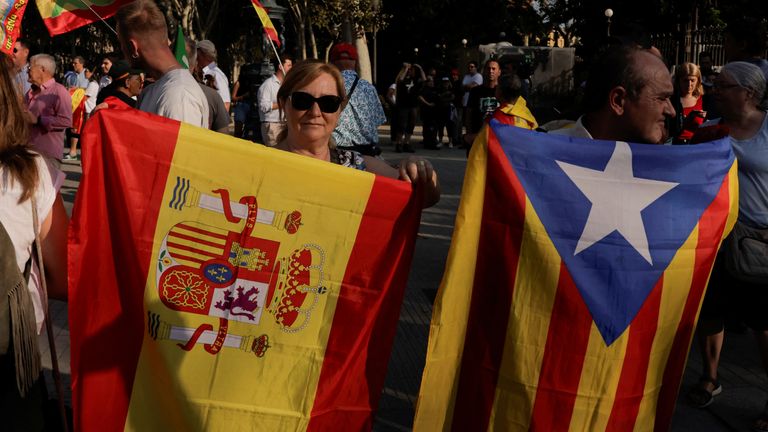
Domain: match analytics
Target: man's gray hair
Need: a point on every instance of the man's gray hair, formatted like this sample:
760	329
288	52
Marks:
748	76
45	61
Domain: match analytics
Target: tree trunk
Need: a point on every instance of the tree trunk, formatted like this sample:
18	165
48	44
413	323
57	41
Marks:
363	58
298	24
312	41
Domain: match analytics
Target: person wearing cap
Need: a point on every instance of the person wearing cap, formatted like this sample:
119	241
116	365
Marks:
359	122
206	61
143	35
271	122
218	114
126	84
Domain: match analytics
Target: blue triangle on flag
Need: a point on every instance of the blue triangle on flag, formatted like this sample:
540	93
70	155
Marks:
614	279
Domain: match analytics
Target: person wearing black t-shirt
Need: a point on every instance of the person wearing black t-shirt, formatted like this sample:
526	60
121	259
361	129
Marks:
482	101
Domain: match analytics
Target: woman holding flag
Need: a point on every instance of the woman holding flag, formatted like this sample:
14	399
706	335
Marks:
311	98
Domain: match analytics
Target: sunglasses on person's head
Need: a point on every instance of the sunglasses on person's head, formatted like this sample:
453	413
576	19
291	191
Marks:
303	101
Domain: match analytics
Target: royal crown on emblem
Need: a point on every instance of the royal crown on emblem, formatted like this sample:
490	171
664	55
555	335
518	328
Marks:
300	283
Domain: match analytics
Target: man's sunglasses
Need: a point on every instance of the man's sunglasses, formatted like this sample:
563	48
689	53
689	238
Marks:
303	101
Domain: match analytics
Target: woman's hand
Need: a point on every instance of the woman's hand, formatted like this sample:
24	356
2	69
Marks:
422	175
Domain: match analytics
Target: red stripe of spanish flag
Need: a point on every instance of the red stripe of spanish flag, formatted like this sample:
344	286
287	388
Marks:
369	272
120	329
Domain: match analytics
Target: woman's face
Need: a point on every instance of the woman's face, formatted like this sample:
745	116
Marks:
312	124
730	97
688	84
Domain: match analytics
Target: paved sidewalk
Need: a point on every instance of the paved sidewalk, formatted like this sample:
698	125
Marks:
745	387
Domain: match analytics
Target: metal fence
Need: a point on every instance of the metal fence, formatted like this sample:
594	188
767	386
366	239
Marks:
679	47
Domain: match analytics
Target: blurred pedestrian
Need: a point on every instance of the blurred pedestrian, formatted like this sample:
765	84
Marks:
206	61
21	66
409	82
271	122
49	110
358	126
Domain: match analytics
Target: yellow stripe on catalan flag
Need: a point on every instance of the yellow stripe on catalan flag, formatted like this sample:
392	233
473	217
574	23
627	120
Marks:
451	311
532	300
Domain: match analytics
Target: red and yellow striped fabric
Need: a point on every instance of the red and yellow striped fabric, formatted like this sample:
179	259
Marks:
11	13
78	108
220	285
269	28
61	16
513	344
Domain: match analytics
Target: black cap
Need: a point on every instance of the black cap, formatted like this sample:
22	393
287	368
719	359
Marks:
121	69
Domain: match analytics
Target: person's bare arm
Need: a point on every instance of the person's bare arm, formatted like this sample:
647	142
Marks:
53	236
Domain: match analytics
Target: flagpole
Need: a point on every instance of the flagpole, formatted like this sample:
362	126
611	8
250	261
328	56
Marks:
279	62
99	16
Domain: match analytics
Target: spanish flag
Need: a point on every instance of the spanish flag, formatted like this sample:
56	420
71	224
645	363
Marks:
78	108
219	285
269	28
62	16
573	283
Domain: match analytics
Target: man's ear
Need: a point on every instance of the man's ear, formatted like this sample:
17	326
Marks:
617	98
134	47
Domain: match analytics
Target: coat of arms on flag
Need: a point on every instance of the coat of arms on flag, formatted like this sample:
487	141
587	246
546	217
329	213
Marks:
214	287
574	282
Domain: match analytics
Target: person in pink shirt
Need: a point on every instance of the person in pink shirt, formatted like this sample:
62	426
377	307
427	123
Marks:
49	110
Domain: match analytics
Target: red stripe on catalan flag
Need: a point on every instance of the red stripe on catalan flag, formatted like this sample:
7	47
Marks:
711	226
113	318
492	296
369	272
634	370
569	325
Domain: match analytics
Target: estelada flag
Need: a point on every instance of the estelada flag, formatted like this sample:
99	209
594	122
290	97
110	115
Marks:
220	285
61	16
573	283
11	13
269	28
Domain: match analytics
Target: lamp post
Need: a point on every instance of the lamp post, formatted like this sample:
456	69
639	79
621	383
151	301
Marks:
608	15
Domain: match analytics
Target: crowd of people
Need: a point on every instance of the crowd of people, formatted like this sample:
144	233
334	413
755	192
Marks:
328	112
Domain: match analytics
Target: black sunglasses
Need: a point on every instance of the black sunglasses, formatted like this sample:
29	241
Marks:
303	101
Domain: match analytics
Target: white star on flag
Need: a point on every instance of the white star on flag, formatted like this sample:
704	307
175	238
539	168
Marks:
617	198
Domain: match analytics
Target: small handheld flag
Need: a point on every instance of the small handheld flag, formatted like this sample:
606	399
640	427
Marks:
269	28
180	49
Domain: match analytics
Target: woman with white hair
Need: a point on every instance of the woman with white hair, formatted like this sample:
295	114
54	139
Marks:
739	93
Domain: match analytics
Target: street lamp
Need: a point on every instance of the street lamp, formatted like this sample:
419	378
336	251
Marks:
464	43
608	15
